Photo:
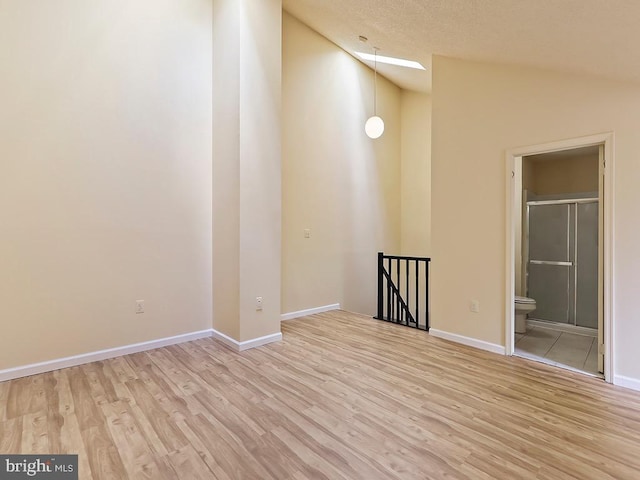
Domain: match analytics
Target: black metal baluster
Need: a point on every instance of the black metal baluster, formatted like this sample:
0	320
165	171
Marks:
417	294
426	270
406	287
399	316
388	290
379	314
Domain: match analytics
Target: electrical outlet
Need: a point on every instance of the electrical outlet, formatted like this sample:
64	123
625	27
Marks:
474	306
307	233
258	303
139	306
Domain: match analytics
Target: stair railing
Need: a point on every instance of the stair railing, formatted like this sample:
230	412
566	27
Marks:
403	290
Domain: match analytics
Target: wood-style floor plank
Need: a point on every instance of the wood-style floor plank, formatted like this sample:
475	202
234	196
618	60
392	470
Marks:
11	436
342	396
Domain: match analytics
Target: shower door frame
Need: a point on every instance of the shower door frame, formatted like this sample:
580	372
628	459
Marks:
573	264
513	163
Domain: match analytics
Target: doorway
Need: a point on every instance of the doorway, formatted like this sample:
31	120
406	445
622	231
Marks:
559	257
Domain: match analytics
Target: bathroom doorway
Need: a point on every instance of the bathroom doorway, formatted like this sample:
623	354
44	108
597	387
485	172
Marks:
560	271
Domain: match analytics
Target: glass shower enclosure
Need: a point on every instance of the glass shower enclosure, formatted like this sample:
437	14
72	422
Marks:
562	266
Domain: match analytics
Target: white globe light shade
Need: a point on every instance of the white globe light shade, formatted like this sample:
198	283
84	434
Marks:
374	127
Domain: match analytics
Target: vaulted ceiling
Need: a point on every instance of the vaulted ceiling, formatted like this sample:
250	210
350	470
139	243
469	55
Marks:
595	37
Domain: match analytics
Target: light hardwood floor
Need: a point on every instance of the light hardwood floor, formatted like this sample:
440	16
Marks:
342	397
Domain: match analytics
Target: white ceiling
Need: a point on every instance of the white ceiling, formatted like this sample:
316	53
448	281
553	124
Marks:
596	37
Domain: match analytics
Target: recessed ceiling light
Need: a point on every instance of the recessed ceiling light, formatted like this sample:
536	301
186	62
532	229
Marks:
390	60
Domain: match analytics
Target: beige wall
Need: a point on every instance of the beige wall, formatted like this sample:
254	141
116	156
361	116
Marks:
337	182
415	192
480	111
571	175
226	167
247	167
105	174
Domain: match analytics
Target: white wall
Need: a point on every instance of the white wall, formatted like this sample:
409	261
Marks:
226	167
105	174
480	111
260	168
337	182
246	167
415	192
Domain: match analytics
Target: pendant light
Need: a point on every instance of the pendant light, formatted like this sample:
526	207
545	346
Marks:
374	127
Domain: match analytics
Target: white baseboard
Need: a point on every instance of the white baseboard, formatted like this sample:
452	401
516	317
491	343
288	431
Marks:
51	365
627	382
471	342
310	311
247	344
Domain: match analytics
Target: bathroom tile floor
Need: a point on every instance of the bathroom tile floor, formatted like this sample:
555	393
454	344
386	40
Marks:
579	352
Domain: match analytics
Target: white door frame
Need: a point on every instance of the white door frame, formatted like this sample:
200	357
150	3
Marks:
512	158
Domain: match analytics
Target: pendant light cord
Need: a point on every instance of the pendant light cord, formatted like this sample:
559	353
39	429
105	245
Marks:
375	81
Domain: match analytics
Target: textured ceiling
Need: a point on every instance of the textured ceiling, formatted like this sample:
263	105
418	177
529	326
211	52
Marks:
596	37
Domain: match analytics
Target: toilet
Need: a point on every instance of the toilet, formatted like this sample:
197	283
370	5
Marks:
523	306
